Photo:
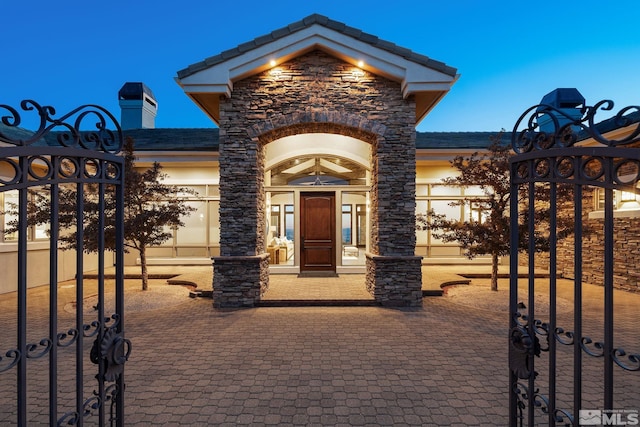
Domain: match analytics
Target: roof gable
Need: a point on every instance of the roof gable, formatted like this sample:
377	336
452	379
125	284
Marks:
307	23
427	79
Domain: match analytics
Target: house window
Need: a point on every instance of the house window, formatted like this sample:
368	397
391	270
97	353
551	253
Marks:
361	225
289	222
625	203
346	224
8	216
275	220
317	171
194	232
214	222
621	199
354	227
9	204
281	226
449	201
200	235
478	212
599	199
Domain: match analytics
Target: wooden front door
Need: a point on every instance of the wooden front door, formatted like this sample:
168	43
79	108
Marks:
318	231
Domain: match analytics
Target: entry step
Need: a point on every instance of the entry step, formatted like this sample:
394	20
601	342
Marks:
318	274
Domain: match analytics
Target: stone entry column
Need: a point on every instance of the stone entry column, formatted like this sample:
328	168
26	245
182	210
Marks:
235	280
395	281
241	272
394	273
317	93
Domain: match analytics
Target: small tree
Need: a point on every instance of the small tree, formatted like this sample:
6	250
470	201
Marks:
149	207
489	232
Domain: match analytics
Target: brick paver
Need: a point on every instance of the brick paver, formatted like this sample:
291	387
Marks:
324	365
443	364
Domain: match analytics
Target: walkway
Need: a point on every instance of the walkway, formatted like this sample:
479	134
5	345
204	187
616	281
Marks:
346	287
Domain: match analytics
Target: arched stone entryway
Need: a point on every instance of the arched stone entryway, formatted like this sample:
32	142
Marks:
393	272
318	76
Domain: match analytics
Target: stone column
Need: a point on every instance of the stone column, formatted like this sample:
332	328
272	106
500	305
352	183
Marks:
241	272
239	281
394	274
316	92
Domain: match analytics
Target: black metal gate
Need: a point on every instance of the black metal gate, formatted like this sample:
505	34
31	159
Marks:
566	365
62	346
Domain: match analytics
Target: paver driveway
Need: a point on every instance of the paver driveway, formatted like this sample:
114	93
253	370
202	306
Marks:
444	364
439	365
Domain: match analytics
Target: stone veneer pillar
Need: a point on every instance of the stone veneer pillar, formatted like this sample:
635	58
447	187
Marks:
241	272
317	93
241	280
394	273
395	281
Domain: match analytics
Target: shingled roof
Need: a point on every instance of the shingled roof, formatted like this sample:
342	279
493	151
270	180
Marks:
453	140
208	139
12	133
325	22
616	122
174	139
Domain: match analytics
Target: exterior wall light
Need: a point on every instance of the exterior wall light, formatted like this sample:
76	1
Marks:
275	73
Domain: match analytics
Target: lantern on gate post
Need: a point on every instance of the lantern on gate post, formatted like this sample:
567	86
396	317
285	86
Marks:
559	108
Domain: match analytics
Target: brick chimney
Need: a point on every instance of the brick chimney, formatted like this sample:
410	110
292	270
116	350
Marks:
138	106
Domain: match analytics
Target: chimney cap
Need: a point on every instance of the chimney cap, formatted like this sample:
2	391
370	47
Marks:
563	98
135	90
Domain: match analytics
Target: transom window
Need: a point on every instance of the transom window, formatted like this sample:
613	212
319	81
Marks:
318	170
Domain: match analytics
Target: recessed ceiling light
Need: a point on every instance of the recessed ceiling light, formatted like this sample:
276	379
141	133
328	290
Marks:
273	63
360	64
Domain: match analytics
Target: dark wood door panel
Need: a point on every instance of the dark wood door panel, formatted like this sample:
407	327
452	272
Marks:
318	224
318	230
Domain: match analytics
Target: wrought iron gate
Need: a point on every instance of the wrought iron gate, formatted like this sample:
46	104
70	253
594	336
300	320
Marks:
558	374
83	379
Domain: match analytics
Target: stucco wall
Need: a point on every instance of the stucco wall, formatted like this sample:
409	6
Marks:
38	265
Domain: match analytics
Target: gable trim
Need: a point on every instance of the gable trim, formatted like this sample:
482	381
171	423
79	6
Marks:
319	20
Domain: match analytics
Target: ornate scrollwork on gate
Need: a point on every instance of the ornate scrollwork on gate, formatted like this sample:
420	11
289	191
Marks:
565	130
619	353
9	360
557	147
73	150
112	351
522	346
70	127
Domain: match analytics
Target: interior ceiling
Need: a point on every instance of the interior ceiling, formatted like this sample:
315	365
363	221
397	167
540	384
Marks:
323	167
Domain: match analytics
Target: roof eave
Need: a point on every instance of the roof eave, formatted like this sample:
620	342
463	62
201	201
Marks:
204	82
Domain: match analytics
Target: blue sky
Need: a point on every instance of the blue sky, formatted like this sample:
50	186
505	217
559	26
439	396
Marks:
509	53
